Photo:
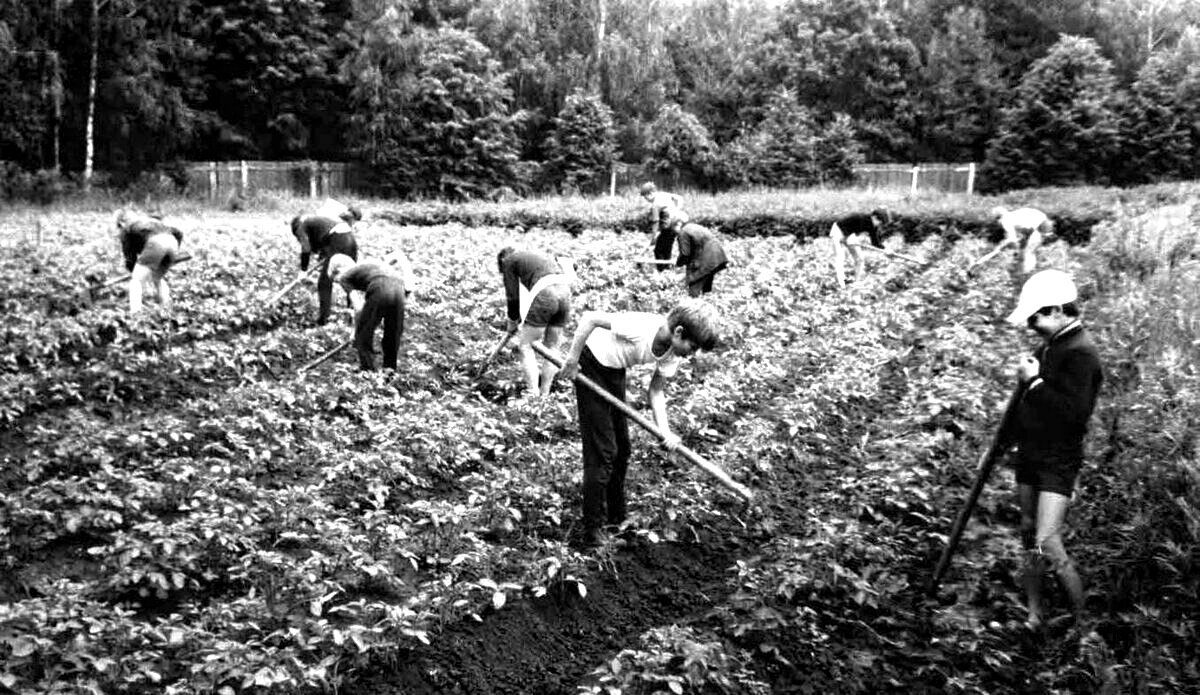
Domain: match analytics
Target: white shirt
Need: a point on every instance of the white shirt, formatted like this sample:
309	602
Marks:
1022	219
630	342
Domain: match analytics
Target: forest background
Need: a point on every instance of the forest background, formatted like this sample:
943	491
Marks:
458	99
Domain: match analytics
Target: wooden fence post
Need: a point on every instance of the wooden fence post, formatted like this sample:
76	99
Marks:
244	172
612	182
916	172
212	180
312	178
971	178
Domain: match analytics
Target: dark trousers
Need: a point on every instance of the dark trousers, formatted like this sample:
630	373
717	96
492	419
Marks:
702	286
606	449
663	246
385	305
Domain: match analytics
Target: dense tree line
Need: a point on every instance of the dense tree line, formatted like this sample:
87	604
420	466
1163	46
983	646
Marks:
459	98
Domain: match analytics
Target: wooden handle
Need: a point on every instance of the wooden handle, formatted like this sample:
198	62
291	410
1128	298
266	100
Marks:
288	288
650	427
324	358
987	461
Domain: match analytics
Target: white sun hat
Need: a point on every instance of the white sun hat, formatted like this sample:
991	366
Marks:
1044	288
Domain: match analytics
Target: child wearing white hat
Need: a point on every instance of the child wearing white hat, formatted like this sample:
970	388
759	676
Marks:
1061	382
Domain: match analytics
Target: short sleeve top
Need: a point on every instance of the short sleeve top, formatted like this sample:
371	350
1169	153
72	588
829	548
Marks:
630	342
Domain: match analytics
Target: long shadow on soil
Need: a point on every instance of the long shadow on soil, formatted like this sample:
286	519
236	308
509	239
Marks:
547	645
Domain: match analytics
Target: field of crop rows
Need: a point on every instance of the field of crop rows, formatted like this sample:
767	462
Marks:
188	512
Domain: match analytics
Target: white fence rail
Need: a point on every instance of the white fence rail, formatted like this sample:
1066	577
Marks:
217	180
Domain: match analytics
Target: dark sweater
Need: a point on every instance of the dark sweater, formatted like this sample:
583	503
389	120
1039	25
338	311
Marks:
314	234
524	268
135	233
372	279
1052	417
861	224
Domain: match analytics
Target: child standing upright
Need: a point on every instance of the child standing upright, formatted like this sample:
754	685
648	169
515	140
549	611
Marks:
150	248
1062	381
605	346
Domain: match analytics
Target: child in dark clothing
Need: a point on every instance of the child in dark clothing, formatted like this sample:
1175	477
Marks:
326	237
150	248
377	291
1061	386
666	219
848	233
702	253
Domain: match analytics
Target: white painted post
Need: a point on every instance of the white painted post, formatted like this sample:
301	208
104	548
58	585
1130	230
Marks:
245	178
971	178
916	172
212	179
612	182
312	179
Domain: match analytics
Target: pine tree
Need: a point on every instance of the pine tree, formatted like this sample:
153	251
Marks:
1062	127
582	146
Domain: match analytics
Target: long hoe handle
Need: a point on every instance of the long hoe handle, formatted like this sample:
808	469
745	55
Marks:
326	357
118	280
650	427
288	288
892	254
986	462
499	346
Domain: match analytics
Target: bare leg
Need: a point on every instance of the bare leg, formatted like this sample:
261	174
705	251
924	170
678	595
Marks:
839	254
164	293
1029	257
553	333
1051	515
529	363
859	263
137	280
1034	566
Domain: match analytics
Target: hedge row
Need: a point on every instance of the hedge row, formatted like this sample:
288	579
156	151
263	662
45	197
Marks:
1074	230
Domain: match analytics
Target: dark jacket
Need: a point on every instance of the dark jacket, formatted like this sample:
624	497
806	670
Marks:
136	231
315	234
701	251
861	224
523	268
1052	417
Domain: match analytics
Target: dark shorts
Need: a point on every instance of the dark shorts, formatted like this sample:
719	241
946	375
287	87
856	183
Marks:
1048	477
551	307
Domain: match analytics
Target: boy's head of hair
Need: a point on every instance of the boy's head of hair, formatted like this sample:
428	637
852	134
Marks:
338	264
882	215
648	189
699	321
504	253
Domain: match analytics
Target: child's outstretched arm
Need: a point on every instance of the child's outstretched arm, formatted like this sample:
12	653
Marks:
657	395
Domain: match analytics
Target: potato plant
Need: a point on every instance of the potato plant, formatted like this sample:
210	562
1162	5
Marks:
187	511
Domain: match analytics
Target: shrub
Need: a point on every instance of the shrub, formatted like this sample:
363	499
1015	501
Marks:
582	146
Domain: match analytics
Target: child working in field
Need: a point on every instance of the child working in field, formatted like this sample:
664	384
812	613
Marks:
1031	223
701	252
325	234
1061	383
537	296
150	247
666	218
850	232
604	347
377	293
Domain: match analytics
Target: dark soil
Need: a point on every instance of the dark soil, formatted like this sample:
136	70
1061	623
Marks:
547	645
